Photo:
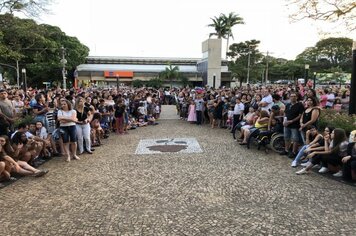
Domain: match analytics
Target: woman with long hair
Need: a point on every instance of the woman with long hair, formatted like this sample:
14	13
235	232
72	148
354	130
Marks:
83	125
335	146
312	139
67	118
309	117
97	132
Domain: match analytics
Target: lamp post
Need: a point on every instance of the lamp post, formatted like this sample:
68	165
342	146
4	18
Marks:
117	83
214	78
64	62
314	79
306	67
352	106
24	80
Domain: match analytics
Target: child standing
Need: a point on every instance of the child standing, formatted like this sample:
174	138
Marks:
230	117
192	117
157	110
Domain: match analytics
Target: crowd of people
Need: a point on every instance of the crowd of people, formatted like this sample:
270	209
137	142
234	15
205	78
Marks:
40	124
293	111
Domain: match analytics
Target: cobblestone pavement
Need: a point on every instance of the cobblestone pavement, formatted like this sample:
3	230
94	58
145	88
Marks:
226	190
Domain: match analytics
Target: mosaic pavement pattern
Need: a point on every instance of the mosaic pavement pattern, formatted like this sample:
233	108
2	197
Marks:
174	145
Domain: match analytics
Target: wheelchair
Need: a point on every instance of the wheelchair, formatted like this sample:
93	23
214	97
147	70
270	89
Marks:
268	139
236	129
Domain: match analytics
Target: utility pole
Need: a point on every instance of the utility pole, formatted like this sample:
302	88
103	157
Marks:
117	83
248	66
64	62
17	74
266	79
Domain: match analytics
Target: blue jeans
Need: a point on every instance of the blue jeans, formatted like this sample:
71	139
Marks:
301	153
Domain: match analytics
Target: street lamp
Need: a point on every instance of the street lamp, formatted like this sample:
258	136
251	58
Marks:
214	78
64	62
314	79
24	79
306	73
352	106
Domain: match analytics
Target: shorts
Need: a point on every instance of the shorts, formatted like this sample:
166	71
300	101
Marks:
70	134
291	134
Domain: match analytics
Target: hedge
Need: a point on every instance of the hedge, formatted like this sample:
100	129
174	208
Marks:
336	119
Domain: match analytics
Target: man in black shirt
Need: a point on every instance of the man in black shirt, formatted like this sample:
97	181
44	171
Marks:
293	112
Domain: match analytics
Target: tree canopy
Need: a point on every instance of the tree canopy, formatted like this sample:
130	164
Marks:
240	54
30	8
38	49
343	11
328	53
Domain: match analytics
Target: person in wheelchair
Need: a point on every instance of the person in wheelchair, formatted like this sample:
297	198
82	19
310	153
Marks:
261	124
247	122
275	126
275	122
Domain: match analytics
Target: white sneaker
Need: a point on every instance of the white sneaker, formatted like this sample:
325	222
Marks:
302	171
338	174
294	164
317	166
323	170
305	164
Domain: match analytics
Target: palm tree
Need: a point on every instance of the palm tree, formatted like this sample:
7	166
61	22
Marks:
230	21
219	26
223	26
170	73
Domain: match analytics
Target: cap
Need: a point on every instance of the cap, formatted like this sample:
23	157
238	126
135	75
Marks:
2	90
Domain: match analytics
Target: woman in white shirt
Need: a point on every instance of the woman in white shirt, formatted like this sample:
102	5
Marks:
67	118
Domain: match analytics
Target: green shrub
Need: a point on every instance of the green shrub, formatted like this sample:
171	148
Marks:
337	120
27	119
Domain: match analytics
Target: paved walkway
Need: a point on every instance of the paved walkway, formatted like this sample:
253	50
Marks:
224	190
169	112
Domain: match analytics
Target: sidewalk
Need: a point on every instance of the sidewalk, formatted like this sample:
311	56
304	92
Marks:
223	190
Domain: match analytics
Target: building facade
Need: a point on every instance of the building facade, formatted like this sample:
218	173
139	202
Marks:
104	71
